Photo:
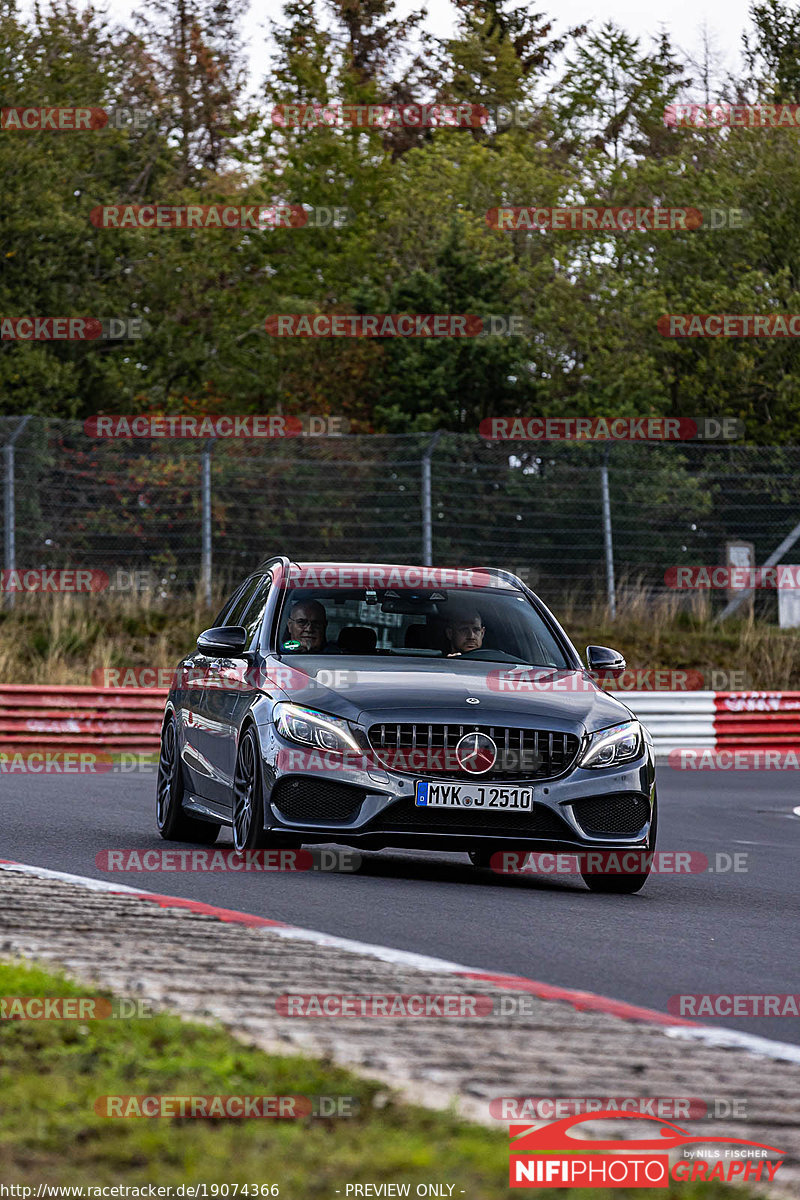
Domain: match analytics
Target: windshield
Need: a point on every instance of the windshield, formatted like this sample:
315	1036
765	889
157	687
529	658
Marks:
491	624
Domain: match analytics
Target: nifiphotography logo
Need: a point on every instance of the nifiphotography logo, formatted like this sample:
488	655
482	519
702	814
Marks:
556	1155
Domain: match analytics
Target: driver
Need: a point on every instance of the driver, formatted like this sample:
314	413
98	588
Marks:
464	632
307	623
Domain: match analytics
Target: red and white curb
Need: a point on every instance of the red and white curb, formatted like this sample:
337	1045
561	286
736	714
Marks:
673	1027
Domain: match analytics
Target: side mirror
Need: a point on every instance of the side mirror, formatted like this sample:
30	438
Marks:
224	641
603	658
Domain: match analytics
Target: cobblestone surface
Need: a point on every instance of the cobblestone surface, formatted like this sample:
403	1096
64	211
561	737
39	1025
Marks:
207	969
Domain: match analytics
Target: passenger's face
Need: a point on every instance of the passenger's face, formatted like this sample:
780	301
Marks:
307	625
466	635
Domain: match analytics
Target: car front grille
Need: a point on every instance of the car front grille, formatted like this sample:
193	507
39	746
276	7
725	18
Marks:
420	749
540	822
605	816
316	800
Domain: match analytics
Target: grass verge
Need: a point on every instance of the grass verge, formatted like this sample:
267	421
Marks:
51	1072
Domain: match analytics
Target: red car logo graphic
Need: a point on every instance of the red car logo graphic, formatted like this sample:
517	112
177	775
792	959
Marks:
551	1156
546	1139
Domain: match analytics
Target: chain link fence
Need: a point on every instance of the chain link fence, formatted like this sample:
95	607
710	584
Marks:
135	508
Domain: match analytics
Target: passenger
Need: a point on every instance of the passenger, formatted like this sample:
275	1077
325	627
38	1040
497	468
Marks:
464	632
307	623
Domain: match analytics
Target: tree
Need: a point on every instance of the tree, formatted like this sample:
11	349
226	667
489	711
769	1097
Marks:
772	52
194	53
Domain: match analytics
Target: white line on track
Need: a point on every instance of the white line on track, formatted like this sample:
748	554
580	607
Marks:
95	885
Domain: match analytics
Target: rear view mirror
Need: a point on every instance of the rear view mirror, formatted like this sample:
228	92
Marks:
227	641
603	658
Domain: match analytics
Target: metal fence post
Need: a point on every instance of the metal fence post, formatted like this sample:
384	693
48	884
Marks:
427	524
9	517
612	593
774	558
205	568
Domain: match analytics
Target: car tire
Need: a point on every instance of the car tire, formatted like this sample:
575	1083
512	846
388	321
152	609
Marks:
248	796
174	824
625	885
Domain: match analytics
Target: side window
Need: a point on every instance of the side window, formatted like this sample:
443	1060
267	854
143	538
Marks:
242	602
219	619
254	613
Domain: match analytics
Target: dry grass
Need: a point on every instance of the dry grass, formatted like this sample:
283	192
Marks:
679	631
64	639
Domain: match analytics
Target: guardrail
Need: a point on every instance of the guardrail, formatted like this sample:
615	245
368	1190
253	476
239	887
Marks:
718	720
675	719
55	717
65	717
758	719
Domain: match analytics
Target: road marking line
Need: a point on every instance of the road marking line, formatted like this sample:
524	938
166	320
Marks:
96	885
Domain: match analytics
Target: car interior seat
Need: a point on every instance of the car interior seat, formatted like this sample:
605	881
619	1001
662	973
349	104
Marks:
425	637
357	639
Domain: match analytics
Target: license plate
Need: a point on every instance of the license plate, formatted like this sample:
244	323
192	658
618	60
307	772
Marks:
478	796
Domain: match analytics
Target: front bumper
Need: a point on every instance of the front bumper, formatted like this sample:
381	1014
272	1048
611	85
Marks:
375	808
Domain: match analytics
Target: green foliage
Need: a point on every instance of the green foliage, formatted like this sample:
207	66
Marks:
418	238
51	1073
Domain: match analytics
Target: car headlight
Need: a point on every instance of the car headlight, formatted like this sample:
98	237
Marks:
312	728
609	747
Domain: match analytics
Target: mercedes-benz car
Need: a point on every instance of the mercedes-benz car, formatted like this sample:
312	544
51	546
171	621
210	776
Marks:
375	705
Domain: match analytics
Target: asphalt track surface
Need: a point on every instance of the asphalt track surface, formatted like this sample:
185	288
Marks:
710	932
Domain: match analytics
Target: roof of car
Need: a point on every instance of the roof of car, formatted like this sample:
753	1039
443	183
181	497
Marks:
455	576
396	566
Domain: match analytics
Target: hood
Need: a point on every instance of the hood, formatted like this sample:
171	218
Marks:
426	690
